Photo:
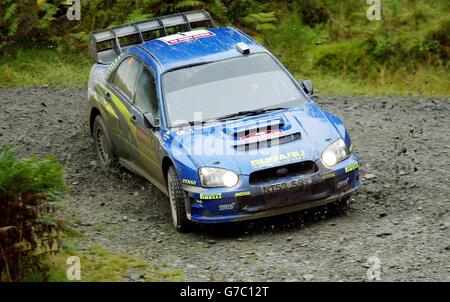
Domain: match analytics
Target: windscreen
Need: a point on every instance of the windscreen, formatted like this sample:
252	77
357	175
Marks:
227	87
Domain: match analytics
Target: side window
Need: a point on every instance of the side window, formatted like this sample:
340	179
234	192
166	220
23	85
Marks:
145	98
125	76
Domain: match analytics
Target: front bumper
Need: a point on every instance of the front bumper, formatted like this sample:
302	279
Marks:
284	196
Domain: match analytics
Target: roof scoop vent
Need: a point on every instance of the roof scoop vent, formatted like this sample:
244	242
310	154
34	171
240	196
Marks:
243	48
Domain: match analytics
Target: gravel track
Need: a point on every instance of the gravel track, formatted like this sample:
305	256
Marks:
401	214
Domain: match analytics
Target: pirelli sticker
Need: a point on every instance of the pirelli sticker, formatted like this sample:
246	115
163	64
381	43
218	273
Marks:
352	167
211	196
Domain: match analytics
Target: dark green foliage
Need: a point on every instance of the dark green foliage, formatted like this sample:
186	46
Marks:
316	37
44	23
336	36
27	233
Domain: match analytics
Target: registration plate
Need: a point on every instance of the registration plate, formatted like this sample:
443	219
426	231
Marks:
302	183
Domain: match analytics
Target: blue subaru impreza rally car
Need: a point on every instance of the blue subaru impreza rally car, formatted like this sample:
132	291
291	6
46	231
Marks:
211	118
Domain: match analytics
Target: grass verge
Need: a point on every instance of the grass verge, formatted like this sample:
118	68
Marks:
421	82
97	264
31	68
35	68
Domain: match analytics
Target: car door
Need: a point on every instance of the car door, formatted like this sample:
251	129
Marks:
119	94
147	147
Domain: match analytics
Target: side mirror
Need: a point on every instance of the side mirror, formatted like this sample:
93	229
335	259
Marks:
307	87
151	121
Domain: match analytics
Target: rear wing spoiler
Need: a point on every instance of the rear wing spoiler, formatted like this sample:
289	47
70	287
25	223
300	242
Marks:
105	45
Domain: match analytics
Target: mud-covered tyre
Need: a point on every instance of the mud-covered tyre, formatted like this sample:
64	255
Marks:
177	199
103	144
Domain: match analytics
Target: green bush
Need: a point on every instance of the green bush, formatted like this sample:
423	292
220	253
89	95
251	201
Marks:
352	56
27	232
43	23
311	37
338	38
439	34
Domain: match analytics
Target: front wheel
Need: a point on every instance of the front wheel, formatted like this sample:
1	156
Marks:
177	198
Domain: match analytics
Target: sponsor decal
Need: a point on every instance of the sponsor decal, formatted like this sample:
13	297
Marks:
264	135
189	182
186	37
113	65
110	109
352	167
143	135
227	207
211	196
166	135
329	175
342	183
298	183
121	107
278	159
242	194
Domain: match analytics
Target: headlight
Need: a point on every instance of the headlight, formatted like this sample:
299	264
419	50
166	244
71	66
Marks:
216	177
335	153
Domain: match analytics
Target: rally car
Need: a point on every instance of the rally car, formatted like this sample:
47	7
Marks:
211	118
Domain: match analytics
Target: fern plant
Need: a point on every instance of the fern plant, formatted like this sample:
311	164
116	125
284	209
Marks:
27	23
189	4
27	233
10	19
262	21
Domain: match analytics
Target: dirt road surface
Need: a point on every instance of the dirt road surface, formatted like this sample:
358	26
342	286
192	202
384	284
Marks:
401	215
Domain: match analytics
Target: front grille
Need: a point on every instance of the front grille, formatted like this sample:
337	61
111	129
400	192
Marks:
268	143
282	172
285	198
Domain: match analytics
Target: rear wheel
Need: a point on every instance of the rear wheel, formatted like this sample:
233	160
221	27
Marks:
103	144
177	198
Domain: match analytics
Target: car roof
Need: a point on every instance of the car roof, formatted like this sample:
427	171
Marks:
196	47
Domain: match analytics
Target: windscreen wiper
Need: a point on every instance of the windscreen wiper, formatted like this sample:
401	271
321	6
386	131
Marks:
249	113
230	116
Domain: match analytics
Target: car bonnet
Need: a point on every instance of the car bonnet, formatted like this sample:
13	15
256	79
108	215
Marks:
259	142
